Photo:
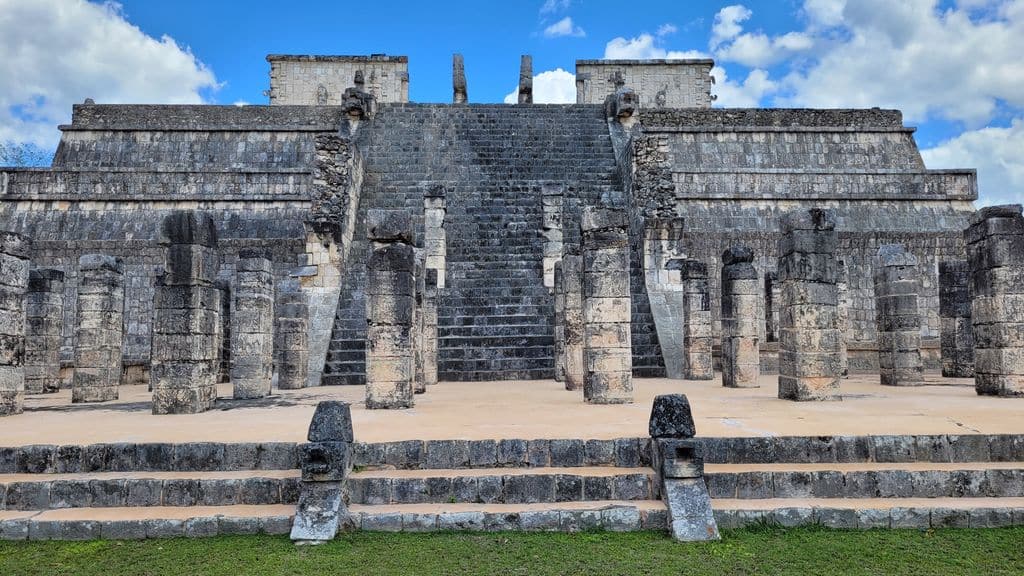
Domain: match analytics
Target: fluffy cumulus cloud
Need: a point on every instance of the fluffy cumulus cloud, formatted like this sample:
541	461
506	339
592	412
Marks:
552	6
550	87
995	152
59	52
564	27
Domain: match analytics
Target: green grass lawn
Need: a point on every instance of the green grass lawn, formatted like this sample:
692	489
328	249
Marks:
749	551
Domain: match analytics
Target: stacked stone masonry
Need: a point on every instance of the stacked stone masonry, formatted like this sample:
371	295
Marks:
100	336
697	343
252	326
14	279
187	332
313	80
293	338
44	315
809	339
658	83
957	338
608	364
741	295
995	248
897	282
573	328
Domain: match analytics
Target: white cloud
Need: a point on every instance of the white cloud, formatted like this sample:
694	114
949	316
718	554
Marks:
564	27
645	47
59	52
758	50
551	6
746	94
550	87
995	152
824	12
667	29
727	23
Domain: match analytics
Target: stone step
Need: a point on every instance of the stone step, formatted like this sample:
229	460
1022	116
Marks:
147	489
563	516
342	379
502	485
138	523
463	375
488	331
918	513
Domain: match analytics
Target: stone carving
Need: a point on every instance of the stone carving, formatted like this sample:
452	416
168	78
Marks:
573	328
608	358
622	104
14	277
957	333
44	311
526	79
186	333
100	329
460	94
677	460
419	383
322	98
741	295
430	320
697	343
293	339
897	283
995	249
325	462
809	338
390	299
252	325
559	293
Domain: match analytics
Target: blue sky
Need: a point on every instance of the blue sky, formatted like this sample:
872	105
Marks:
953	66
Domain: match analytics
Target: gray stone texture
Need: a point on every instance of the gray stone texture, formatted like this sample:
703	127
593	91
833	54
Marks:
100	334
573	327
559	292
14	279
809	339
606	307
187	330
741	297
995	249
957	333
671	417
390	310
697	337
292	338
526	79
897	282
459	93
429	314
252	326
44	317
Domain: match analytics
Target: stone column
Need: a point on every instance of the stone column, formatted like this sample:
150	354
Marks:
222	338
697	360
325	461
526	79
100	329
957	334
14	272
390	294
293	338
459	93
44	311
897	282
810	364
572	284
559	290
741	293
186	328
430	327
419	384
995	247
252	325
608	355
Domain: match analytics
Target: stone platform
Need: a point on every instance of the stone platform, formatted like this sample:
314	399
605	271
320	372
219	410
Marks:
527	410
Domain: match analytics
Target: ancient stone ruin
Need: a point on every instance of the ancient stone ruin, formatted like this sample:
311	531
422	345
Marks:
955	310
741	357
100	335
14	279
897	283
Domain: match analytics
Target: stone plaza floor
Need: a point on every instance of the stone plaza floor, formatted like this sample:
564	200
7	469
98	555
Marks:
525	409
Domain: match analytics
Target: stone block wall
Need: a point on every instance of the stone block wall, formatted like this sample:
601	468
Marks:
313	80
658	83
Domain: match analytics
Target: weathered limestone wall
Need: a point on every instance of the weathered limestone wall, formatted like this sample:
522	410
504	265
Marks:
292	338
44	317
252	325
995	246
312	80
658	83
809	342
100	329
955	309
741	302
899	324
14	276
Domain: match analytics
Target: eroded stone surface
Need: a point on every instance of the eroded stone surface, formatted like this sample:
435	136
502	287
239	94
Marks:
897	283
741	296
14	280
100	329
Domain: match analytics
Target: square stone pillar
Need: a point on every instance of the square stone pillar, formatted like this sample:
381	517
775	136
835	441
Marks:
559	293
608	355
430	297
957	334
293	338
390	300
419	382
44	312
741	295
572	284
810	355
186	328
14	276
897	282
100	329
995	247
697	344
252	325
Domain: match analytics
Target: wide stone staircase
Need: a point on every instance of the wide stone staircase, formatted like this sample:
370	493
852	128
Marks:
123	491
